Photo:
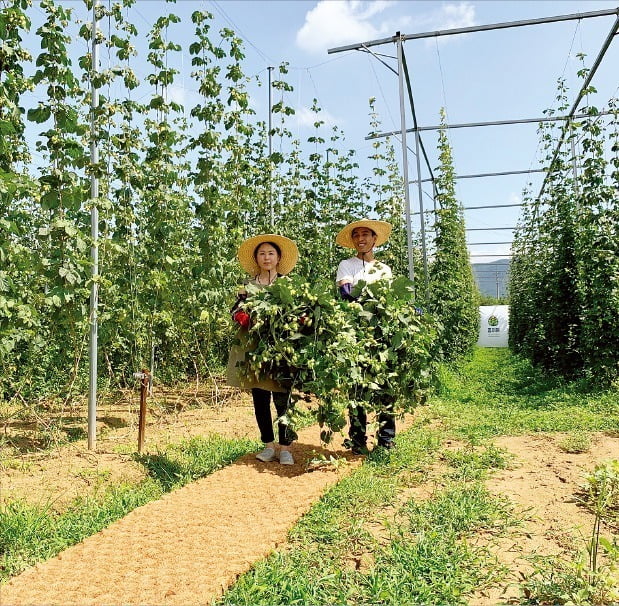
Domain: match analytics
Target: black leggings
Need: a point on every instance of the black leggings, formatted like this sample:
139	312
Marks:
262	408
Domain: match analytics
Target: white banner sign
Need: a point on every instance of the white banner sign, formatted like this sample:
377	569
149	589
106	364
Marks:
493	325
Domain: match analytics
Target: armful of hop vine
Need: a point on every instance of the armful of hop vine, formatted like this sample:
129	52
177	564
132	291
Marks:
375	351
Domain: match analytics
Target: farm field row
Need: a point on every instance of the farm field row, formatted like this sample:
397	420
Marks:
486	475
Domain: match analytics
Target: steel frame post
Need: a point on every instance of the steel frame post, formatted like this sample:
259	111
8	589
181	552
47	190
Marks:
419	147
94	249
407	201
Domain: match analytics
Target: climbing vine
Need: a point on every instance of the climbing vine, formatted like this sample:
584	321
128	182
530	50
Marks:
563	284
343	352
452	295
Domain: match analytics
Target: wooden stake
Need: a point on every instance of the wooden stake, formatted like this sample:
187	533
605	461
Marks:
145	381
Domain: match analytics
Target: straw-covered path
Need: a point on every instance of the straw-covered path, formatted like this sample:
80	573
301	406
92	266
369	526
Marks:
187	547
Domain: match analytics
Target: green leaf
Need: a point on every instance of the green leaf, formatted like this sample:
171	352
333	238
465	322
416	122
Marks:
50	200
39	114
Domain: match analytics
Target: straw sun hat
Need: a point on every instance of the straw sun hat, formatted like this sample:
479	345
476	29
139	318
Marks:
289	256
382	229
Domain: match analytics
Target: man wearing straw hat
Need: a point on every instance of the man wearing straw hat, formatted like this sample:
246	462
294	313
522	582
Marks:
364	236
265	258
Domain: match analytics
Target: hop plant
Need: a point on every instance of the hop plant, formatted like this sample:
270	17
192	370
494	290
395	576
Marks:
376	351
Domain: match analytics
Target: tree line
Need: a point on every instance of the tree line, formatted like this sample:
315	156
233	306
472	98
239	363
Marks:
179	189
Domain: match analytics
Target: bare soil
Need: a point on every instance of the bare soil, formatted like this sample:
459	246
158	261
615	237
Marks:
189	546
545	485
56	477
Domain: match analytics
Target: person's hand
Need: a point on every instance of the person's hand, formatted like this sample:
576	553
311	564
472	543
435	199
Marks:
242	317
346	292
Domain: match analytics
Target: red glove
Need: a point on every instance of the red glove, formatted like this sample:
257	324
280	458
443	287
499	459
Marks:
242	317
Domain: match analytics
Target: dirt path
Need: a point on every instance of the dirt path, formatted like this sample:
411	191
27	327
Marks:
54	478
190	545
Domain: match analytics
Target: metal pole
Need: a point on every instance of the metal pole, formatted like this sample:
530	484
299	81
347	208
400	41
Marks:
488	123
478	207
94	249
409	88
483	243
270	69
407	201
419	146
475	28
501	174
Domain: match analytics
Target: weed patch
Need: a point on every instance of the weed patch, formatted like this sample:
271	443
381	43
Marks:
420	556
30	533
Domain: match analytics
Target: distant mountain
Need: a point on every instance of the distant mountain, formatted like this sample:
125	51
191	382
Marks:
492	277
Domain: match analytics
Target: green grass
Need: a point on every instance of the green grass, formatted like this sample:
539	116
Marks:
420	554
192	459
497	393
576	442
31	533
369	540
430	560
425	551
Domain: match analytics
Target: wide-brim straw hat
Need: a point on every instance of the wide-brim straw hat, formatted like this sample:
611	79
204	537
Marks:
382	229
288	259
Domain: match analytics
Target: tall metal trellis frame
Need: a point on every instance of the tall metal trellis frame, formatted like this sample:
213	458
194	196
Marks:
403	77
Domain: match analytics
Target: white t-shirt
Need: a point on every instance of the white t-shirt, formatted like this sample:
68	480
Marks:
354	269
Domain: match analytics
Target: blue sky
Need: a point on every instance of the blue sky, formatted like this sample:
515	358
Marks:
496	75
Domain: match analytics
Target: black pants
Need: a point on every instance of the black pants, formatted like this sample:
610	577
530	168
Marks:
262	408
358	422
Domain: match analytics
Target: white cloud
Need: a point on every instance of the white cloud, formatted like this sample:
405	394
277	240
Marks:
305	117
451	15
455	15
338	22
333	23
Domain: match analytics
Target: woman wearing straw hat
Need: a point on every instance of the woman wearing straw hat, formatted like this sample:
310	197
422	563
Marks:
364	236
265	258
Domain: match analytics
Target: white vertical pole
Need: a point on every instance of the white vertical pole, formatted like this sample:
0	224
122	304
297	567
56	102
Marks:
94	250
409	235
574	166
271	148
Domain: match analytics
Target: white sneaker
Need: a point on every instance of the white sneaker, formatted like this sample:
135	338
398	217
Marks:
268	454
285	457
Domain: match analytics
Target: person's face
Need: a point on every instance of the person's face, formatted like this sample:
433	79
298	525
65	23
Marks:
363	239
267	257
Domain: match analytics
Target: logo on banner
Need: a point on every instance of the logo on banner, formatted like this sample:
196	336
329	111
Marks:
493	322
